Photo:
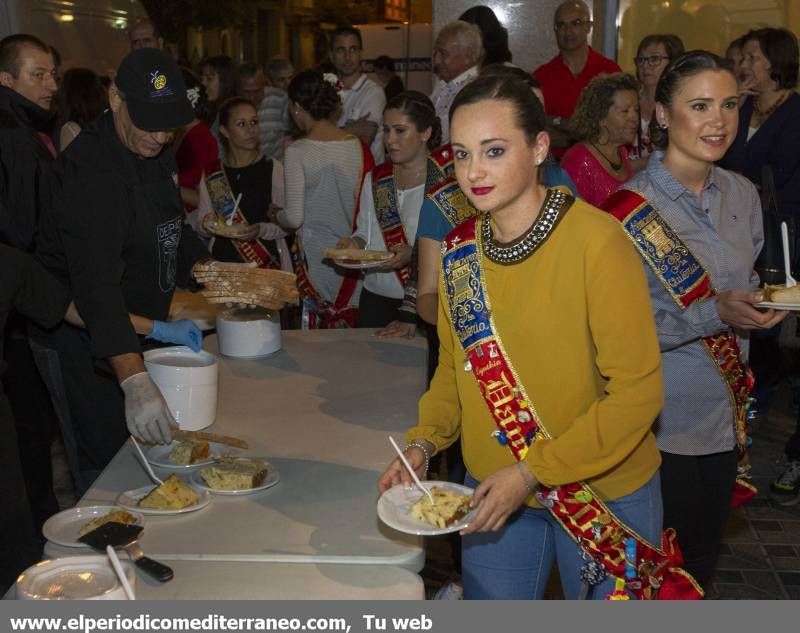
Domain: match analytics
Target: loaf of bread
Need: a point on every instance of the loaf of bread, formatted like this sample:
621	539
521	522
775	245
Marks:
189	452
116	515
237	474
447	508
173	494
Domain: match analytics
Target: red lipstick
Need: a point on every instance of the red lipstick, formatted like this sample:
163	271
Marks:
481	191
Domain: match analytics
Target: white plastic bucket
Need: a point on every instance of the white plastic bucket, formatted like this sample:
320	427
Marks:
246	333
188	382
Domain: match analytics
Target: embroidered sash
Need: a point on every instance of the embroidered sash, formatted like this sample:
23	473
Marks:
387	210
687	281
317	312
224	204
598	532
442	157
387	206
451	201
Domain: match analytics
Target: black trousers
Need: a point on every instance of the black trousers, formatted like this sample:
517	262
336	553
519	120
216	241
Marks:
19	545
375	310
697	492
35	423
89	404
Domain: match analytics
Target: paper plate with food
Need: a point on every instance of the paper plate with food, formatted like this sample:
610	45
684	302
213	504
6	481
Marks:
236	476
357	258
780	298
67	526
187	454
174	496
410	510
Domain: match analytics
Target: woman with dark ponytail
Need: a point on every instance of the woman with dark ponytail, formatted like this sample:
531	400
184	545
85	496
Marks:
698	229
324	173
391	200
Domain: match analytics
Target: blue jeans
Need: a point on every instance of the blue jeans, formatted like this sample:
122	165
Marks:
515	563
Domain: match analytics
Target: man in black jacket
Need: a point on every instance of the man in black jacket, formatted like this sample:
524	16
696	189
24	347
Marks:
27	288
27	86
116	236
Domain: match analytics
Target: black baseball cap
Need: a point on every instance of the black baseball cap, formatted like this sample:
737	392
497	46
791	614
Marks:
153	87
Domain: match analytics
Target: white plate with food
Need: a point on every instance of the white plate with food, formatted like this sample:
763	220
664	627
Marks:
67	526
450	514
780	297
174	496
240	476
175	455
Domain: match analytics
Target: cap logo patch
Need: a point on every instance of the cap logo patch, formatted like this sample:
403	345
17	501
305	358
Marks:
159	82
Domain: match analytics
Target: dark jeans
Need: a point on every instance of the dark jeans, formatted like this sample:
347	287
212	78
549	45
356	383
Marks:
697	491
375	310
19	546
89	403
35	424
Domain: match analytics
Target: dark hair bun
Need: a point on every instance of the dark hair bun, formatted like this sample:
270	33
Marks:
420	110
314	94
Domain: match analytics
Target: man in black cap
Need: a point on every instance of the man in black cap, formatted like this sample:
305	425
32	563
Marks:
115	235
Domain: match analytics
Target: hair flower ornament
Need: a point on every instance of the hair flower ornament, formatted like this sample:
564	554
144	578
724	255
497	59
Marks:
334	81
193	95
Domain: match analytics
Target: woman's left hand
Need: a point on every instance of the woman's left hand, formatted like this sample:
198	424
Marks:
401	257
499	495
398	329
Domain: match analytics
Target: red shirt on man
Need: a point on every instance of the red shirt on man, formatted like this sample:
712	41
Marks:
561	88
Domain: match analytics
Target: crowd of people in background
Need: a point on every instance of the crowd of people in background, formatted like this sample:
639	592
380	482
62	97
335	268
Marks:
638	369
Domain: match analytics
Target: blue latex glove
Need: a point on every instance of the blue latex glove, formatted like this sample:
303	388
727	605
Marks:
183	332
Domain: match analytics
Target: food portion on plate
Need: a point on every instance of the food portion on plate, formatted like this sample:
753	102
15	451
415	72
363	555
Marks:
173	494
189	452
781	294
357	255
117	515
448	507
236	474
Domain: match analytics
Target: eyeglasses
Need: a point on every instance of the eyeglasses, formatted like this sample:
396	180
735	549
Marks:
652	60
574	24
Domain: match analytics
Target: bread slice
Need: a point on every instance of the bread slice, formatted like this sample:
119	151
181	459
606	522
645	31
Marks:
237	474
357	255
116	515
448	507
782	294
173	494
189	452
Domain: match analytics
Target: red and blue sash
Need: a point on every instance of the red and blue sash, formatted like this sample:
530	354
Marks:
387	208
224	204
687	281
587	519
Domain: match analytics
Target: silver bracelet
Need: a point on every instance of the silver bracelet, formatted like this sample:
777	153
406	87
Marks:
424	450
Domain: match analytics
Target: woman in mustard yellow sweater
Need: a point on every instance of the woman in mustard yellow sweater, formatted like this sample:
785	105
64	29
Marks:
548	371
